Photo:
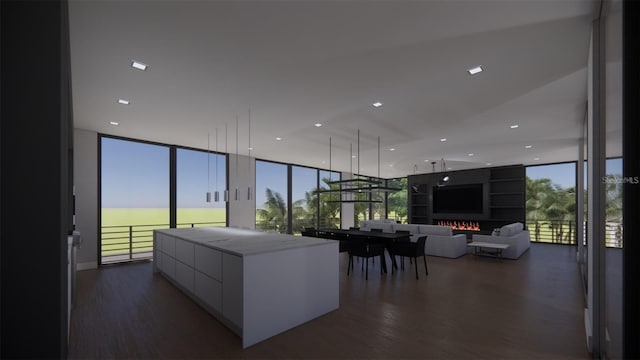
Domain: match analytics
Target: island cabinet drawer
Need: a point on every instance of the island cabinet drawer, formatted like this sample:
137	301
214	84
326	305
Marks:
185	276
158	260
169	266
184	252
209	291
209	261
169	245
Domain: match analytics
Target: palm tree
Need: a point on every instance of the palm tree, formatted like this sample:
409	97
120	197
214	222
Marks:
537	191
547	201
397	201
274	214
613	208
328	213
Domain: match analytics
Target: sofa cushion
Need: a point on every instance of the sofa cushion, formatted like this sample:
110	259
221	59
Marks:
435	230
365	225
413	229
511	229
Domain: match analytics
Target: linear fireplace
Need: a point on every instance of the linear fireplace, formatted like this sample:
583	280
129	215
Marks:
460	225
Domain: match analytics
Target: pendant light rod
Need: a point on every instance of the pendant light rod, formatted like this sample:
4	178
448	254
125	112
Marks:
330	173
378	157
236	195
249	159
216	193
208	195
226	151
351	159
358	169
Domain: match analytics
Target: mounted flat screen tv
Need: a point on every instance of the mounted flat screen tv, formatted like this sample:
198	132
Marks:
458	199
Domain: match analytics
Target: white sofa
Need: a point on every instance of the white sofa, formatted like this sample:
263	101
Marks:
440	239
514	235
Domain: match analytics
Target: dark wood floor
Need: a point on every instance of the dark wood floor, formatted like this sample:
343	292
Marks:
467	308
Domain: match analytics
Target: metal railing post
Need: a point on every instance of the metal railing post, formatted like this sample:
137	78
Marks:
131	242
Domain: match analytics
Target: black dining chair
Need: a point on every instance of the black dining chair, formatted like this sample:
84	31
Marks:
361	248
407	239
412	250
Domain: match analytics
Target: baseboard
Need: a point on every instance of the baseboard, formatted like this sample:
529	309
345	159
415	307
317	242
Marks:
87	265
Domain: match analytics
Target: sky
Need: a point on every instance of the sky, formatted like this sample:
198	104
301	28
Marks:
564	174
136	175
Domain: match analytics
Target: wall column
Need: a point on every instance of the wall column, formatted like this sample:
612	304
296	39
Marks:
596	156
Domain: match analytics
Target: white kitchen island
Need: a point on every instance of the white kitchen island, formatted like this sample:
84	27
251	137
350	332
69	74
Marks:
257	284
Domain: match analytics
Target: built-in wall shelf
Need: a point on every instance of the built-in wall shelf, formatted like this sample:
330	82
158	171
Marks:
503	199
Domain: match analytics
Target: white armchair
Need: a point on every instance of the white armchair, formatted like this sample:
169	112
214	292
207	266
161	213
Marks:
512	235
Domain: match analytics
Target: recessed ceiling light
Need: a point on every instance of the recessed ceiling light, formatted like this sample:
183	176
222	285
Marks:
426	160
489	164
514	126
475	70
138	65
123	101
391	165
536	159
470	154
353	156
278	138
317	124
449	168
528	146
392	149
443	139
250	148
114	123
377	104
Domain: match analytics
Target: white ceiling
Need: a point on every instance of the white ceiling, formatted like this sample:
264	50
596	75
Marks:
297	63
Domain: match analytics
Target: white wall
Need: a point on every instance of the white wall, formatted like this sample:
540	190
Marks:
85	179
242	212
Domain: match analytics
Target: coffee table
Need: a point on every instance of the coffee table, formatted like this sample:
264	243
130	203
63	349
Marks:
490	249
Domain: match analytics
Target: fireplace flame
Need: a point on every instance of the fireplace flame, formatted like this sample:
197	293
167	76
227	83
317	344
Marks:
460	225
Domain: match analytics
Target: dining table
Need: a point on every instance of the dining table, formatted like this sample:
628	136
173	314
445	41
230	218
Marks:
370	236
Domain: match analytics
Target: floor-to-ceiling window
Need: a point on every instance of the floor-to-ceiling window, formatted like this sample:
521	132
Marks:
199	172
329	205
613	206
397	204
271	196
378	202
551	202
361	208
134	197
304	182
